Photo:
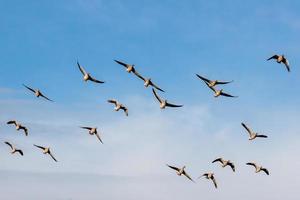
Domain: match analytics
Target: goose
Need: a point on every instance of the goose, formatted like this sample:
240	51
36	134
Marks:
181	171
258	168
87	76
46	150
164	103
210	176
225	163
37	93
18	126
281	59
13	149
118	106
148	82
252	135
129	67
219	92
93	131
212	83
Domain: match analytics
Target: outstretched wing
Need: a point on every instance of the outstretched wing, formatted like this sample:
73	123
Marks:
227	95
25	130
39	147
81	69
52	157
85	127
157	97
286	63
32	90
97	135
247	128
223	82
175	168
186	175
217	160
212	88
273	57
20	152
112	101
125	110
252	164
156	87
138	75
214	181
262	136
45	97
12	122
173	105
265	170
95	80
121	63
9	144
232	166
203	79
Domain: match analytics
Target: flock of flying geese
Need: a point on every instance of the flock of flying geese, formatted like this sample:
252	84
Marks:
163	103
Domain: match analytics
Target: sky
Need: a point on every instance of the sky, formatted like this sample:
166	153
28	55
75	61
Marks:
169	41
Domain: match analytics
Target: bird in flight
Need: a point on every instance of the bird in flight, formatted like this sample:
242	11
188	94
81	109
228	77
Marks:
212	83
211	177
164	103
181	171
118	106
252	135
219	92
93	131
225	163
18	126
13	149
46	150
129	67
148	82
87	76
37	93
258	168
281	59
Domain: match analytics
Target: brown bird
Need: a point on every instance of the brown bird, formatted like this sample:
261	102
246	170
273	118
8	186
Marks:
252	135
212	83
225	163
18	126
219	92
148	82
258	168
211	177
164	103
281	59
93	131
118	106
46	150
37	93
13	149
129	67
181	171
87	76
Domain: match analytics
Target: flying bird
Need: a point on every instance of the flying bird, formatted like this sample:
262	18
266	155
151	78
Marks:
212	83
46	150
181	171
129	67
37	93
13	149
87	76
281	59
219	92
252	135
164	103
258	168
18	126
211	177
93	131
118	106
148	82
225	163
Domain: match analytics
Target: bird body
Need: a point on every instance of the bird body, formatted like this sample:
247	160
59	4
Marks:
258	168
225	163
87	76
37	92
212	83
281	59
252	135
93	131
46	150
210	176
118	106
14	149
181	171
164	103
18	126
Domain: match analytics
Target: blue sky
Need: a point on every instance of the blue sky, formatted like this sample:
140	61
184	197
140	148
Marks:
168	41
